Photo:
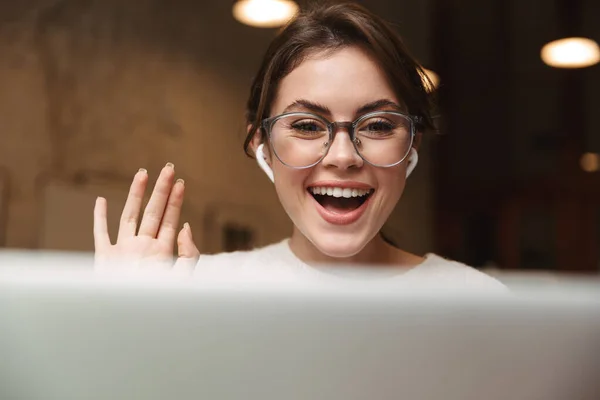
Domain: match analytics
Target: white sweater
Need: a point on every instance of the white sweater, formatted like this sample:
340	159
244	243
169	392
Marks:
277	262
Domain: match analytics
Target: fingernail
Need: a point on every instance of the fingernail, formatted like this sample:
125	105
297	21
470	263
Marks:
180	181
170	165
186	226
143	170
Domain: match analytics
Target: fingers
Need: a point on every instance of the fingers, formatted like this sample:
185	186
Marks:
153	214
101	238
187	250
185	243
133	205
170	220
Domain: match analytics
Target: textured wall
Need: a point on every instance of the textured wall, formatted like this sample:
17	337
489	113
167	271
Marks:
94	89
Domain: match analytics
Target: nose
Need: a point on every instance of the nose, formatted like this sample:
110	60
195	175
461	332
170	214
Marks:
342	153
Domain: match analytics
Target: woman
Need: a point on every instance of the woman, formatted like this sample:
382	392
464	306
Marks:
335	117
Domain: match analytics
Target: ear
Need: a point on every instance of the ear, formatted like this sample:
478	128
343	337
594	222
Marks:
417	141
413	158
262	154
257	141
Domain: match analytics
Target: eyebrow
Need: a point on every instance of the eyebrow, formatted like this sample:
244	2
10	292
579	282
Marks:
307	105
379	105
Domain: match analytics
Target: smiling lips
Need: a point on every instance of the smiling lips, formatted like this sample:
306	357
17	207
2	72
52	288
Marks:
341	203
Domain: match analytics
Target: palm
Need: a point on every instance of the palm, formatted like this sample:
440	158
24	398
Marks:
152	240
142	247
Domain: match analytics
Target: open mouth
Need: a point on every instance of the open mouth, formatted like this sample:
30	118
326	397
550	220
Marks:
340	200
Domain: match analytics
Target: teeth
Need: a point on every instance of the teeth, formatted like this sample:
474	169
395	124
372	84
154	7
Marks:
340	192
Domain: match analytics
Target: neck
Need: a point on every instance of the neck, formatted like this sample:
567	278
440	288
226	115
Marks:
377	253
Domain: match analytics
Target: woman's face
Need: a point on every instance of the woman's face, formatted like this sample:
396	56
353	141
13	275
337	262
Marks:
338	86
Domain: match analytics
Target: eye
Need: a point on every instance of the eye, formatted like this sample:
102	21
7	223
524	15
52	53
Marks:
307	126
378	126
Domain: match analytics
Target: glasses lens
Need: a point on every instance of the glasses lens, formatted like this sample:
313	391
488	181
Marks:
384	139
299	140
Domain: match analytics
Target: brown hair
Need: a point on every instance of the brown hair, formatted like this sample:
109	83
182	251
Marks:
327	28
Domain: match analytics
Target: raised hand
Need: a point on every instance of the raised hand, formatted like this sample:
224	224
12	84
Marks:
149	242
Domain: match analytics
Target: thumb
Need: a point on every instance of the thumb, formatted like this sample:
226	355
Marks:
187	251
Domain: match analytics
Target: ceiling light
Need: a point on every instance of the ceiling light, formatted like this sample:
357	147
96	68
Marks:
264	13
434	80
573	52
590	162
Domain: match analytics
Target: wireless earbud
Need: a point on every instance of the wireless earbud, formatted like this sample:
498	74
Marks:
262	162
413	159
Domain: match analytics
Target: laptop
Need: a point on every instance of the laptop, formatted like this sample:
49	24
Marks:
68	334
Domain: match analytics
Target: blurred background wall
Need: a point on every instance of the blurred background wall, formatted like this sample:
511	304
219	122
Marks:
510	186
92	90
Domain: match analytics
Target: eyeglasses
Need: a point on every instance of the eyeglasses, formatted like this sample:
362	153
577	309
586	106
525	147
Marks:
302	140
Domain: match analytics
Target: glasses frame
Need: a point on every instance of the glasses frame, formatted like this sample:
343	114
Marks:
333	127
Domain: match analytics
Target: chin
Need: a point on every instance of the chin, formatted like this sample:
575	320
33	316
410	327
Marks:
339	245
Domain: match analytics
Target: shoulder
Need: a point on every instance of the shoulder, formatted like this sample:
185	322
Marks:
454	275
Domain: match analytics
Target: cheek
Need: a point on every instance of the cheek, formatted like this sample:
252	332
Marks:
391	184
289	185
